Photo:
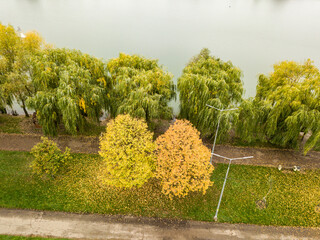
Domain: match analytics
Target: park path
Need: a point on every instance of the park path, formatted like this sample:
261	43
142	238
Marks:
94	226
262	156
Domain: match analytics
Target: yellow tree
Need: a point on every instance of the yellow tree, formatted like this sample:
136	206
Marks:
183	164
15	67
127	149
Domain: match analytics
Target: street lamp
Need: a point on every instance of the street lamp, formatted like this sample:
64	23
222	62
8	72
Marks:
215	137
20	34
225	180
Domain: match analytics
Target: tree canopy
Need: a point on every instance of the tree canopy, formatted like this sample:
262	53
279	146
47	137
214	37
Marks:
287	103
69	86
127	149
209	80
15	67
183	164
141	87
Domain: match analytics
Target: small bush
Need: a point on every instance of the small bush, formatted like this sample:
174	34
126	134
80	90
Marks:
127	150
183	163
48	158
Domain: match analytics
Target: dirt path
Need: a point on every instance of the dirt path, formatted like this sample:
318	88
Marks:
269	157
262	156
93	226
24	142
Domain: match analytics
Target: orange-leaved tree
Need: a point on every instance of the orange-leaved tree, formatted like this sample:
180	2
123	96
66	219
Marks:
183	164
127	149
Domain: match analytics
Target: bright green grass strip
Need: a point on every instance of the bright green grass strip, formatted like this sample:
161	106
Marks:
10	124
292	201
7	237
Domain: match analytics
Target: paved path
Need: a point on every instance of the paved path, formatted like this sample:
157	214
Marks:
92	226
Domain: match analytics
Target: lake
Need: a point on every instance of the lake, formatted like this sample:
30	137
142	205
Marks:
252	34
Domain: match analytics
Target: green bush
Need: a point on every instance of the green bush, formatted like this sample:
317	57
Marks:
48	158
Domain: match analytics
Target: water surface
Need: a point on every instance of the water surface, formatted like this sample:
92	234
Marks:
252	34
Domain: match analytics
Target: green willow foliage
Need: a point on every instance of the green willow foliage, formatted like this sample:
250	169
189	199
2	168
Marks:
69	87
287	103
141	88
208	80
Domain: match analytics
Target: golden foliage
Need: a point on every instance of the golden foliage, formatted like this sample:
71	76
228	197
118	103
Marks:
82	104
33	41
182	161
127	149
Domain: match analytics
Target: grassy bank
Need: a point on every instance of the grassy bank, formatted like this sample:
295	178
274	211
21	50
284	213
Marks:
10	124
8	237
23	125
292	200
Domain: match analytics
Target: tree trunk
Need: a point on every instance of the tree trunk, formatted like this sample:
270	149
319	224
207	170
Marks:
24	108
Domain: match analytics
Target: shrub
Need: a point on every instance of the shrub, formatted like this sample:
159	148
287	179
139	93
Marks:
127	149
48	158
183	161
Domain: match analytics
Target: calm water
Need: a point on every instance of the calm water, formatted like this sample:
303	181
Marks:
253	34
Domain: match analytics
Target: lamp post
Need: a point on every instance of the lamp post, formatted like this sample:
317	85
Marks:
215	137
20	33
225	180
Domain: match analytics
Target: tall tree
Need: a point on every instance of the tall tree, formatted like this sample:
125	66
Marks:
15	71
209	80
8	51
287	104
141	87
70	86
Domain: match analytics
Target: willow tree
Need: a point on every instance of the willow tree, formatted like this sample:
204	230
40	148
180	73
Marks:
10	44
209	80
141	87
15	67
70	86
287	104
5	98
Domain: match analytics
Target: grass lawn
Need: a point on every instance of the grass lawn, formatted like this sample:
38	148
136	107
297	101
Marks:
292	200
10	124
7	237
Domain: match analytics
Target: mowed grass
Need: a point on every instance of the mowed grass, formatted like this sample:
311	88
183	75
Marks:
10	124
292	200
